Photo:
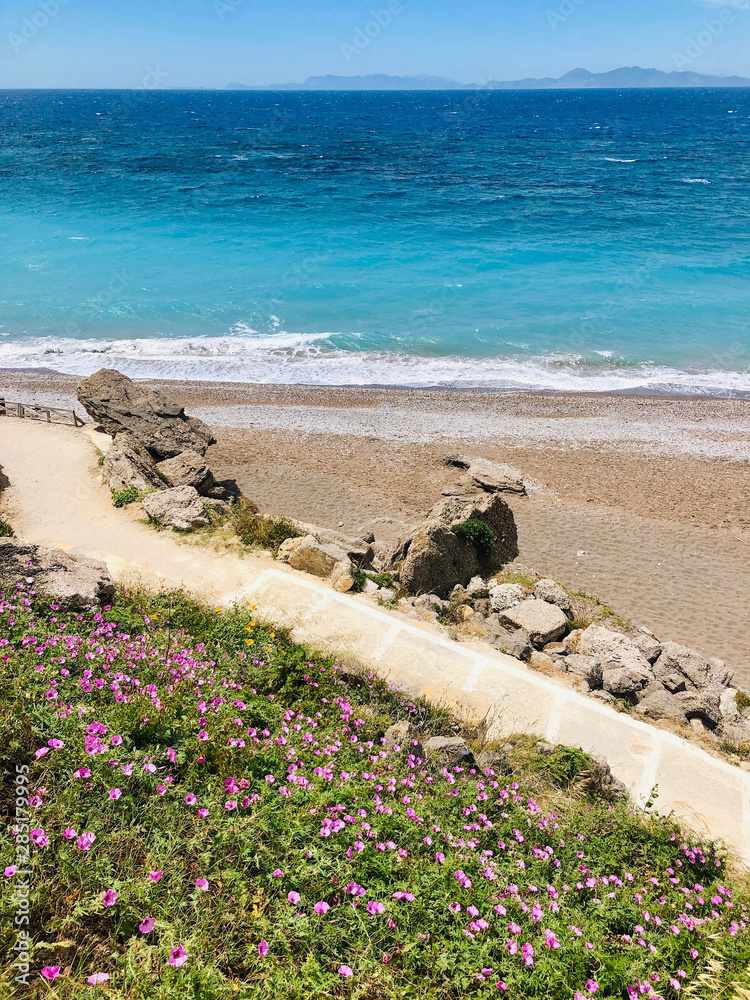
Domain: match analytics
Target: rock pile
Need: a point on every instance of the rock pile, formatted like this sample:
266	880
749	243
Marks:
328	554
155	446
75	582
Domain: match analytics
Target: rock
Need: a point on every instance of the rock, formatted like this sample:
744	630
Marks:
721	672
602	783
704	705
674	683
660	704
681	659
75	582
179	507
397	735
189	468
457	461
477	588
542	662
312	556
156	420
497	478
288	546
370	587
387	595
495	761
341	577
625	682
434	558
730	713
451	750
459	595
544	748
427	602
128	464
587	667
467	612
464	486
359	551
648	644
543	622
548	590
506	595
737	735
513	642
556	648
572	640
612	647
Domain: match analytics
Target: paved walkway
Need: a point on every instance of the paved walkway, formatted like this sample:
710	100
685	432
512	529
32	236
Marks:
56	497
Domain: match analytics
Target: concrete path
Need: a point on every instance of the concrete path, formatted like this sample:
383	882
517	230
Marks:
56	497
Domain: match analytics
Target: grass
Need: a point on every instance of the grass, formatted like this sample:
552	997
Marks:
123	498
254	528
384	580
235	781
742	700
6	530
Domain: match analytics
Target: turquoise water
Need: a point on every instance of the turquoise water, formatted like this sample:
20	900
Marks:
577	240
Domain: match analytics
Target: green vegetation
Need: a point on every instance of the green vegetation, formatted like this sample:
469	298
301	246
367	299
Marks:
122	498
742	700
6	531
215	816
479	533
384	580
254	528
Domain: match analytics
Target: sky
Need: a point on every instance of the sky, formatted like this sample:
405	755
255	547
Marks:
211	43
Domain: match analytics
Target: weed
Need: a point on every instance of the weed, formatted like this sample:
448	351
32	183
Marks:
479	533
122	498
254	528
6	531
742	700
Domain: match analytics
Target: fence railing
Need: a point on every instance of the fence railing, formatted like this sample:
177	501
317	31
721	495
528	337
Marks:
49	414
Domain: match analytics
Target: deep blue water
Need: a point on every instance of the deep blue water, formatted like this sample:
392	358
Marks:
585	239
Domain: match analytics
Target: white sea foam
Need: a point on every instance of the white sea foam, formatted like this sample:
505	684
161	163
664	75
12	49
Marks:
308	359
614	159
695	180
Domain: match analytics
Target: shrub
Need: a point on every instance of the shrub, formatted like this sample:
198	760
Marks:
254	528
122	498
479	533
384	580
6	531
742	700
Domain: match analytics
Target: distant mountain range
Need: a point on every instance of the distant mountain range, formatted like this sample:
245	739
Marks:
577	79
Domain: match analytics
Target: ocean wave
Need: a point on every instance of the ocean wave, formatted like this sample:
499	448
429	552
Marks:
310	359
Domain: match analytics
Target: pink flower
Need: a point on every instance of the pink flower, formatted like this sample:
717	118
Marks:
345	971
203	736
148	925
552	942
293	897
190	799
203	813
69	833
39	837
86	841
10	871
373	908
114	794
51	971
263	949
591	985
109	898
230	805
156	876
321	907
82	772
178	956
527	954
116	741
440	857
42	752
56	744
385	956
278	873
98	978
202	884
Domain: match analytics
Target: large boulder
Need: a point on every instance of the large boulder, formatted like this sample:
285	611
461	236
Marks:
311	556
553	593
506	595
75	582
119	404
659	704
358	549
433	558
625	681
681	659
180	507
544	622
497	478
189	468
129	463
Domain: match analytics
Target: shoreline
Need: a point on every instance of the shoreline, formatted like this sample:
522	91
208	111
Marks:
641	502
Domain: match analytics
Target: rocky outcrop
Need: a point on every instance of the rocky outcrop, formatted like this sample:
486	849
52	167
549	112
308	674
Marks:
310	555
497	478
75	582
434	558
359	550
180	507
128	463
155	419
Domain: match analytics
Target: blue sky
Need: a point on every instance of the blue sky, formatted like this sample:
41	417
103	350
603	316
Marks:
210	43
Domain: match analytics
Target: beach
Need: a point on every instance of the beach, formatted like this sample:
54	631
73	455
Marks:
639	501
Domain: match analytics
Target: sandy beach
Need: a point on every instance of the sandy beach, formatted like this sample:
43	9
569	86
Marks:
640	501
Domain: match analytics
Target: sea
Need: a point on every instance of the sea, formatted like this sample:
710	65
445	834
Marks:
569	241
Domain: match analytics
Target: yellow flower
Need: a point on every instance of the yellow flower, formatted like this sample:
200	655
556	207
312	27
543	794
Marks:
154	617
249	642
253	607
